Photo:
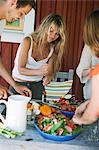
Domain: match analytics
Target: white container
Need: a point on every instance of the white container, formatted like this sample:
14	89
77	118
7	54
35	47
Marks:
16	112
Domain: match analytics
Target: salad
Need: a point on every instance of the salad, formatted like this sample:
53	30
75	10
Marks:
56	123
66	104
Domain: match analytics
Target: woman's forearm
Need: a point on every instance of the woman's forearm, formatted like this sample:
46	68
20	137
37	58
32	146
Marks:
29	72
90	114
84	65
92	111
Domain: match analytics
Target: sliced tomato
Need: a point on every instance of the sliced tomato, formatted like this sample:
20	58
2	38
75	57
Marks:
69	129
48	127
72	125
60	131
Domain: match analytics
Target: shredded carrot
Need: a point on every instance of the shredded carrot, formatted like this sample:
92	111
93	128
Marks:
45	110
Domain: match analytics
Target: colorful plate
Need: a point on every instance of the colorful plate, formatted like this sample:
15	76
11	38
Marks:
54	137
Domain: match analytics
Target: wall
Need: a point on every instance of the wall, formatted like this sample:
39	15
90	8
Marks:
74	13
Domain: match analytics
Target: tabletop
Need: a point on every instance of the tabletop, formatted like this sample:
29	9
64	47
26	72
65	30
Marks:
31	140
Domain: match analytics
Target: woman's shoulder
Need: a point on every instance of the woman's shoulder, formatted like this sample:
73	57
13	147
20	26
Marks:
26	43
87	49
28	39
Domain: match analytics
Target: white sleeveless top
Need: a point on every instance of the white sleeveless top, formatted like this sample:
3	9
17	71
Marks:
31	64
2	24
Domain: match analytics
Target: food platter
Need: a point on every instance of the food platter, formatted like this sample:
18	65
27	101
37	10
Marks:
54	123
54	137
56	126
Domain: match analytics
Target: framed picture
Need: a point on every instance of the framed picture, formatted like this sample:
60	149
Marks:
16	25
15	32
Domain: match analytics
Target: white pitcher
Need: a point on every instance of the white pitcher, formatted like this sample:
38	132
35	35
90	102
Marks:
16	112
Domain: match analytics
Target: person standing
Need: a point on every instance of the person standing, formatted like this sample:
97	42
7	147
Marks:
88	112
89	57
11	10
42	53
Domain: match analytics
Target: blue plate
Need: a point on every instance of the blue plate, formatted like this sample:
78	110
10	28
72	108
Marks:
67	113
54	137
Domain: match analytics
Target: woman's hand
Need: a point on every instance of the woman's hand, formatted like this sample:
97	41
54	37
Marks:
23	90
78	113
77	119
81	108
3	93
44	69
46	80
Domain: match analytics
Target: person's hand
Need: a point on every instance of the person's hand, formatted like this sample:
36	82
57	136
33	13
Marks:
44	69
3	93
46	80
81	108
78	113
23	90
77	119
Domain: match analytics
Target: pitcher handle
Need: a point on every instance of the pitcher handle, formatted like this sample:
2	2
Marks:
1	116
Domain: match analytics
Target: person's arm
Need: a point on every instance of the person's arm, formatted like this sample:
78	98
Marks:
3	92
91	112
23	56
50	70
84	66
5	75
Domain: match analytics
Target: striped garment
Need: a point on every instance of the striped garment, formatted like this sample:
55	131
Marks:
55	90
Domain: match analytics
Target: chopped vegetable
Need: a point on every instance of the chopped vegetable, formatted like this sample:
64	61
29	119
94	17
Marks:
45	110
57	124
9	133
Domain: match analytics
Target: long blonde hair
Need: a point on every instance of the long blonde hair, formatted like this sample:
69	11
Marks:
91	32
41	38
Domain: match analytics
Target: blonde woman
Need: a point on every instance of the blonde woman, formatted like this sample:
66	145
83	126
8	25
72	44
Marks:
39	55
90	56
88	112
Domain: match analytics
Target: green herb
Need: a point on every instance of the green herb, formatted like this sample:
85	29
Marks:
65	132
56	126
